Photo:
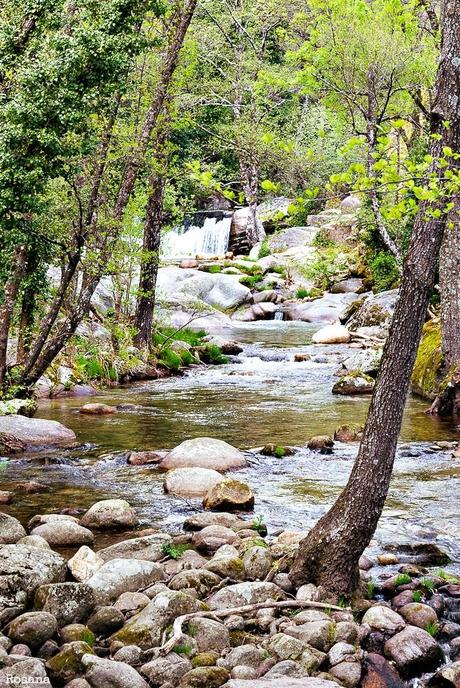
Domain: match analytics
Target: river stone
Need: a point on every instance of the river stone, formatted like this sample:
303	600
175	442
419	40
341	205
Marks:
169	669
40	519
383	619
22	570
107	673
146	628
348	673
376	311
204	677
281	682
130	654
68	602
352	285
123	575
140	458
32	628
74	632
420	615
226	565
447	677
10	529
146	548
203	519
65	533
212	537
208	634
367	361
98	409
106	620
380	673
23	673
354	383
349	433
35	432
244	655
84	563
204	452
229	494
67	664
110	513
200	580
34	541
413	650
191	482
241	594
318	634
332	334
257	562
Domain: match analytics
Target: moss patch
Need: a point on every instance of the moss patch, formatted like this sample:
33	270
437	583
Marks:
427	373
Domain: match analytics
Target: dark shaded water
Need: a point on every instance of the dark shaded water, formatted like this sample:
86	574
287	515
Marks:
264	397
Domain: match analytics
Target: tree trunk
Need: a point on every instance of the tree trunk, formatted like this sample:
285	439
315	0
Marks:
150	252
10	293
329	555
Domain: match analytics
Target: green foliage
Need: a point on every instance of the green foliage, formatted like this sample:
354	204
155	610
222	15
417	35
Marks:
170	359
303	293
166	334
183	649
173	551
370	591
417	596
280	452
449	577
213	354
428	584
258	524
251	280
264	250
214	269
432	628
402	579
384	272
330	265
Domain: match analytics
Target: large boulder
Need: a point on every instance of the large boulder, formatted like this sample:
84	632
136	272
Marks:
33	433
67	664
123	575
328	309
147	548
413	650
191	482
69	603
24	673
367	361
355	382
204	452
291	237
228	495
110	513
383	619
84	563
64	533
146	628
22	570
240	594
169	669
10	529
33	628
376	311
107	673
186	287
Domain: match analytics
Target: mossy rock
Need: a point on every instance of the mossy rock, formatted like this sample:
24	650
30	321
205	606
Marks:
427	373
67	664
205	677
238	638
205	659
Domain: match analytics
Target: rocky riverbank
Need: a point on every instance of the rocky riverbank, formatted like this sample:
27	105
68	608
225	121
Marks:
211	606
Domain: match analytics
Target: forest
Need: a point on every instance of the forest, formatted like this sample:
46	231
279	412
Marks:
230	343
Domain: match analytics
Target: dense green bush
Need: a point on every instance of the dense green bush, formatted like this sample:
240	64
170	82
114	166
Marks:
384	271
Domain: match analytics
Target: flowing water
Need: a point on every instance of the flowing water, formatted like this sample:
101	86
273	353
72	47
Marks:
207	235
262	396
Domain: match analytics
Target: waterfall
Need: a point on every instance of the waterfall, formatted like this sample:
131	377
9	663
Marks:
204	234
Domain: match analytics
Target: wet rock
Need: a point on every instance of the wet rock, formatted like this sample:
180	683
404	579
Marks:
212	537
332	334
240	594
6	497
69	603
106	620
40	519
123	575
166	669
146	548
32	628
67	664
110	513
302	358
447	677
257	562
102	673
27	672
200	580
22	432
204	677
84	563
22	570
204	452
348	433
191	482
98	409
420	615
33	487
367	361
146	628
208	635
413	650
201	520
354	383
77	632
383	619
387	559
229	494
10	529
64	533
321	443
318	634
141	458
380	674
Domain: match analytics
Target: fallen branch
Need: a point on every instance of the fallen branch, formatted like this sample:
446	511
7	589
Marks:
222	613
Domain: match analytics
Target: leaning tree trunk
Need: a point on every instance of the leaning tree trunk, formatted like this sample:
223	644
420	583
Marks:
329	555
10	293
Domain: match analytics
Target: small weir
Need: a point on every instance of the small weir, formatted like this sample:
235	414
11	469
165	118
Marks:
203	234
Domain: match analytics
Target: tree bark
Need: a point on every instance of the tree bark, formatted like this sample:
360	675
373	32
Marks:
329	555
10	293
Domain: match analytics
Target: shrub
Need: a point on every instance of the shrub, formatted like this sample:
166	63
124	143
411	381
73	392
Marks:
213	354
192	337
251	280
302	293
384	271
264	250
170	359
214	269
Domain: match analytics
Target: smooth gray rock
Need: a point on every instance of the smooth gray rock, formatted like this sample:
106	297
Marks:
10	529
123	575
